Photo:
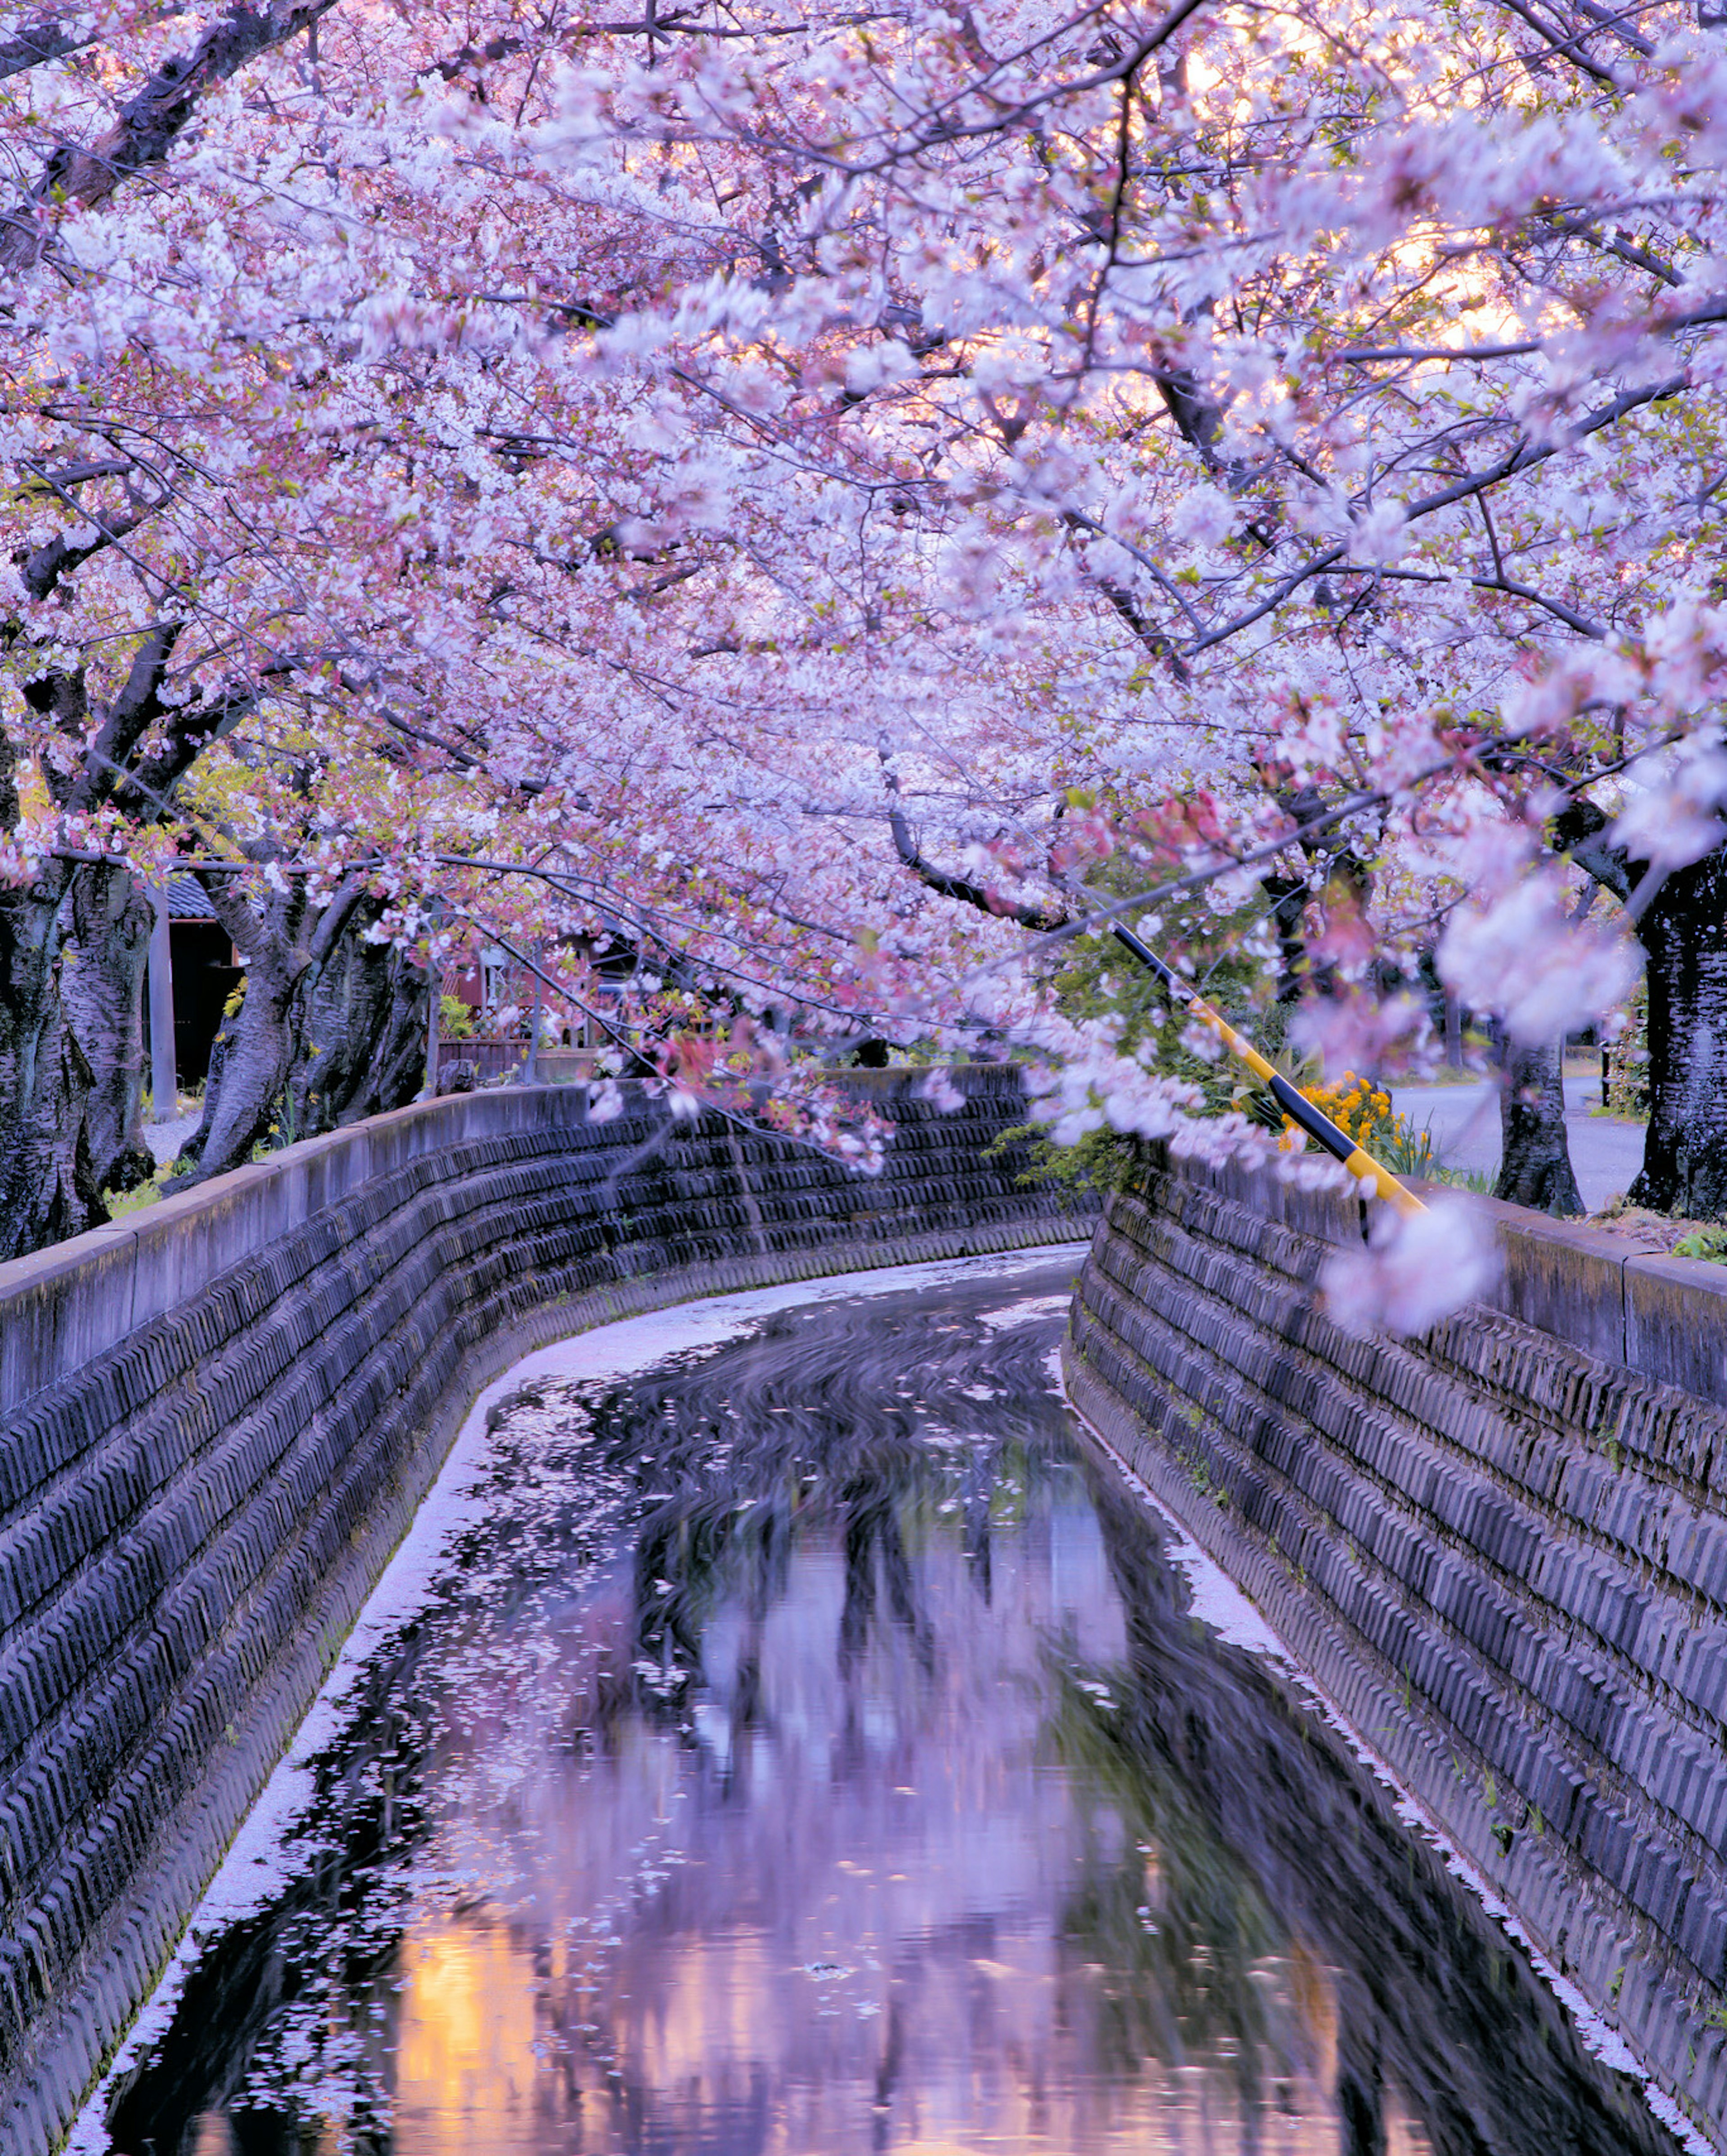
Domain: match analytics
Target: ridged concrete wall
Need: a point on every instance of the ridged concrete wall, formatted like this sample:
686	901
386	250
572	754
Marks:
220	1415
1500	1550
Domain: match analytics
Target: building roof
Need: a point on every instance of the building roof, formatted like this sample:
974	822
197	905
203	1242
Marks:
187	899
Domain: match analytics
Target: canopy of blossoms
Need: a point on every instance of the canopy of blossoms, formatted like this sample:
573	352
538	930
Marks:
840	498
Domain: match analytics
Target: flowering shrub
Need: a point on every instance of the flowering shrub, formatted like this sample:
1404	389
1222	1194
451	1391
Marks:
1361	1109
1362	1112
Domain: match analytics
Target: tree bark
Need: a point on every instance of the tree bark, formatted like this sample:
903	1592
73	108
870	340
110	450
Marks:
1287	900
252	1054
107	921
361	1024
1684	932
1534	1154
328	1029
47	1189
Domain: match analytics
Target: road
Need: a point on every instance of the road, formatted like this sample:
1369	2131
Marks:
1607	1152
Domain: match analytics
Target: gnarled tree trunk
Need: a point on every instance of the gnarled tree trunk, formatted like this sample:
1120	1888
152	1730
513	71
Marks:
254	1051
47	1191
1684	933
1534	1154
106	921
360	1022
329	1029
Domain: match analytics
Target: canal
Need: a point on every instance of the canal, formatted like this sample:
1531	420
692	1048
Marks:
780	1737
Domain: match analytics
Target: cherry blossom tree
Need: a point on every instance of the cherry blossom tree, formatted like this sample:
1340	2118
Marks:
1365	367
805	494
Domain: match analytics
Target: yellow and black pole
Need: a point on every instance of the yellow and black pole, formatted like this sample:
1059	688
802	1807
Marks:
1295	1105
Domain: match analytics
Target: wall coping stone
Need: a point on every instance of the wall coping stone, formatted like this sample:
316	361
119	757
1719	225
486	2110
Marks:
1675	1322
62	1307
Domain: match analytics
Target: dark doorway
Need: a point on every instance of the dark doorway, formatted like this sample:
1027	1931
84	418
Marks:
204	977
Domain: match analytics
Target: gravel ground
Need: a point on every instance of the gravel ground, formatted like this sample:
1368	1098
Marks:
165	1140
1607	1152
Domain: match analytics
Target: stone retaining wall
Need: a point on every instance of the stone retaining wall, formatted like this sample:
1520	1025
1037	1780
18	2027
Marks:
218	1416
1501	1550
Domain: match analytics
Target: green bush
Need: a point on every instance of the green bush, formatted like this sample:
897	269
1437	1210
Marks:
1099	1160
120	1203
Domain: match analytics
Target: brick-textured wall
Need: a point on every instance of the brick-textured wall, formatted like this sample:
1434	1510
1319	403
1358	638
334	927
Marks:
1501	1550
217	1416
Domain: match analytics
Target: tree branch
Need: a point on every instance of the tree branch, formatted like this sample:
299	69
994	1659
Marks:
32	44
1580	828
149	122
1037	917
47	38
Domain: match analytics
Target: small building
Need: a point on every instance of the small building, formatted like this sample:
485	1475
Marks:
205	969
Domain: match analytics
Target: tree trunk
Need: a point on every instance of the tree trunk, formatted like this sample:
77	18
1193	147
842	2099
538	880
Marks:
1534	1157
254	1051
360	1021
1287	900
249	1061
398	1061
1453	1032
328	1029
107	921
47	1191
1684	933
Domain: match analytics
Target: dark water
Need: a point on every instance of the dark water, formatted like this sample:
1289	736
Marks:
814	1753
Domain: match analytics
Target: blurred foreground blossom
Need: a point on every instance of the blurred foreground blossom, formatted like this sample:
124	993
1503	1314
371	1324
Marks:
1521	956
1411	1273
1671	816
937	1087
1356	1031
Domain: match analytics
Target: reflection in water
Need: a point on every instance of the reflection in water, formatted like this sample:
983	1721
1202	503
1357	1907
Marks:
814	1755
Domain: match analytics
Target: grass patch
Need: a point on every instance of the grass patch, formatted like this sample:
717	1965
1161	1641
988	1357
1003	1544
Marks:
1483	1181
120	1203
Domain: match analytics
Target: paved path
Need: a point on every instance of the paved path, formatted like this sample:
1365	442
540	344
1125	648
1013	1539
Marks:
1605	1153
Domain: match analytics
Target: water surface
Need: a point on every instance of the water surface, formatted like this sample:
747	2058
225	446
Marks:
812	1752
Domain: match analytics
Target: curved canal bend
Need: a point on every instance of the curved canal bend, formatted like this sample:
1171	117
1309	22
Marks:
802	1746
